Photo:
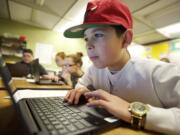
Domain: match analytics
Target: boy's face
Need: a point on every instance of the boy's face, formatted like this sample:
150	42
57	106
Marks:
103	46
27	57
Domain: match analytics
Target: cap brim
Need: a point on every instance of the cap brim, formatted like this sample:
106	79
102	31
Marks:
78	31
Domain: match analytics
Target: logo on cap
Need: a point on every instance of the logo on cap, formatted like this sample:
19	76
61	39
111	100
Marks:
88	11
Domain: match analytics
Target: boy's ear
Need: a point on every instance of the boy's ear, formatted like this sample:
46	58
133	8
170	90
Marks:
127	38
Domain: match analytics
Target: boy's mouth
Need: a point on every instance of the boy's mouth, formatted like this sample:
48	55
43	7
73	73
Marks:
93	58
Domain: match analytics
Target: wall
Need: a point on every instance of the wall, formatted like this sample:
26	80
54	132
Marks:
37	35
157	51
170	50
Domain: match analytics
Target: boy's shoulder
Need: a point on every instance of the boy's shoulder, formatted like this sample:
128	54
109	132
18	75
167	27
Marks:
144	61
134	64
151	65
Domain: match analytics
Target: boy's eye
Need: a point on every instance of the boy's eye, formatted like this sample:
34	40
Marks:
97	35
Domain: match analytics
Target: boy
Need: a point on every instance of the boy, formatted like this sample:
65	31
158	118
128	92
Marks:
28	58
119	81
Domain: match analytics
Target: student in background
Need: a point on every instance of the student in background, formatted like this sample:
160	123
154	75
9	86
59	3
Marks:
59	59
28	58
79	54
72	69
143	92
165	60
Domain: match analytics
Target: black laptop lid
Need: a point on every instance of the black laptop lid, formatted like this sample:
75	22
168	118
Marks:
18	69
35	69
6	78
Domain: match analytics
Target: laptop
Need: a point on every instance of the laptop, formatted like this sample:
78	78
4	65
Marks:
17	70
36	75
51	116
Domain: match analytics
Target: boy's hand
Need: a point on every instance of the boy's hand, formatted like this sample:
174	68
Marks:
72	97
113	104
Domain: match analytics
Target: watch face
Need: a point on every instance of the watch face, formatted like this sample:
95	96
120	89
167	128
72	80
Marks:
139	108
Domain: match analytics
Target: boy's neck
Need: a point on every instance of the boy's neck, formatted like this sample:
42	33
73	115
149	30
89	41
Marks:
125	56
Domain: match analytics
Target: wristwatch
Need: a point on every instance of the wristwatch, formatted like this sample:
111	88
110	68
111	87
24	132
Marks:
138	112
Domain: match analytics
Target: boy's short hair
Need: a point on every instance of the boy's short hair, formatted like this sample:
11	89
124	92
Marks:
102	13
28	51
119	30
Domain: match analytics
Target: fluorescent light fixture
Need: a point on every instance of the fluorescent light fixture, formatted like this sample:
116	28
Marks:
170	31
73	17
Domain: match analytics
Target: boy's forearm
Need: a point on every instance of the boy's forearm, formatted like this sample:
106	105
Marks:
126	114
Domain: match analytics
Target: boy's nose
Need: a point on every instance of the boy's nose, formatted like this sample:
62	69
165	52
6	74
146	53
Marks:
90	45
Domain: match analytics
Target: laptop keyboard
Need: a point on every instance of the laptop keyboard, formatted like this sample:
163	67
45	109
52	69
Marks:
61	118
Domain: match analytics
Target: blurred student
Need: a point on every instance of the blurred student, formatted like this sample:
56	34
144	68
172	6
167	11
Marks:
165	60
79	54
143	92
27	59
72	69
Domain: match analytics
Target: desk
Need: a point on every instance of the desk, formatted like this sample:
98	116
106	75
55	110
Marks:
10	125
21	83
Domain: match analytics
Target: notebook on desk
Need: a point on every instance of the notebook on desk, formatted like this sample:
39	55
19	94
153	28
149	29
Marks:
44	115
37	77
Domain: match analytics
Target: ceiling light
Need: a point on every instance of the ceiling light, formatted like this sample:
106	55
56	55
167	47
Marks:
170	31
74	16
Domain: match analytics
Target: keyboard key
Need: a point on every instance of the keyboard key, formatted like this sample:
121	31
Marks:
66	122
53	132
78	117
62	119
63	131
55	122
73	120
59	116
49	127
69	117
82	114
74	109
52	119
43	117
86	123
46	122
59	126
71	128
74	114
79	125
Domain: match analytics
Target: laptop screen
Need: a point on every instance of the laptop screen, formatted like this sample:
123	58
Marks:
18	69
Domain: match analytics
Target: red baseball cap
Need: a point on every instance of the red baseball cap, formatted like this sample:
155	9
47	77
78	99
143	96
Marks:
102	13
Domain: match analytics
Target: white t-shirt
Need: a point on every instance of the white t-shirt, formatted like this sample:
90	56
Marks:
149	81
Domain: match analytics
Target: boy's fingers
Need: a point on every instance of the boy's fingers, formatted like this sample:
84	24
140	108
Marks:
98	94
67	95
77	96
71	97
98	103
